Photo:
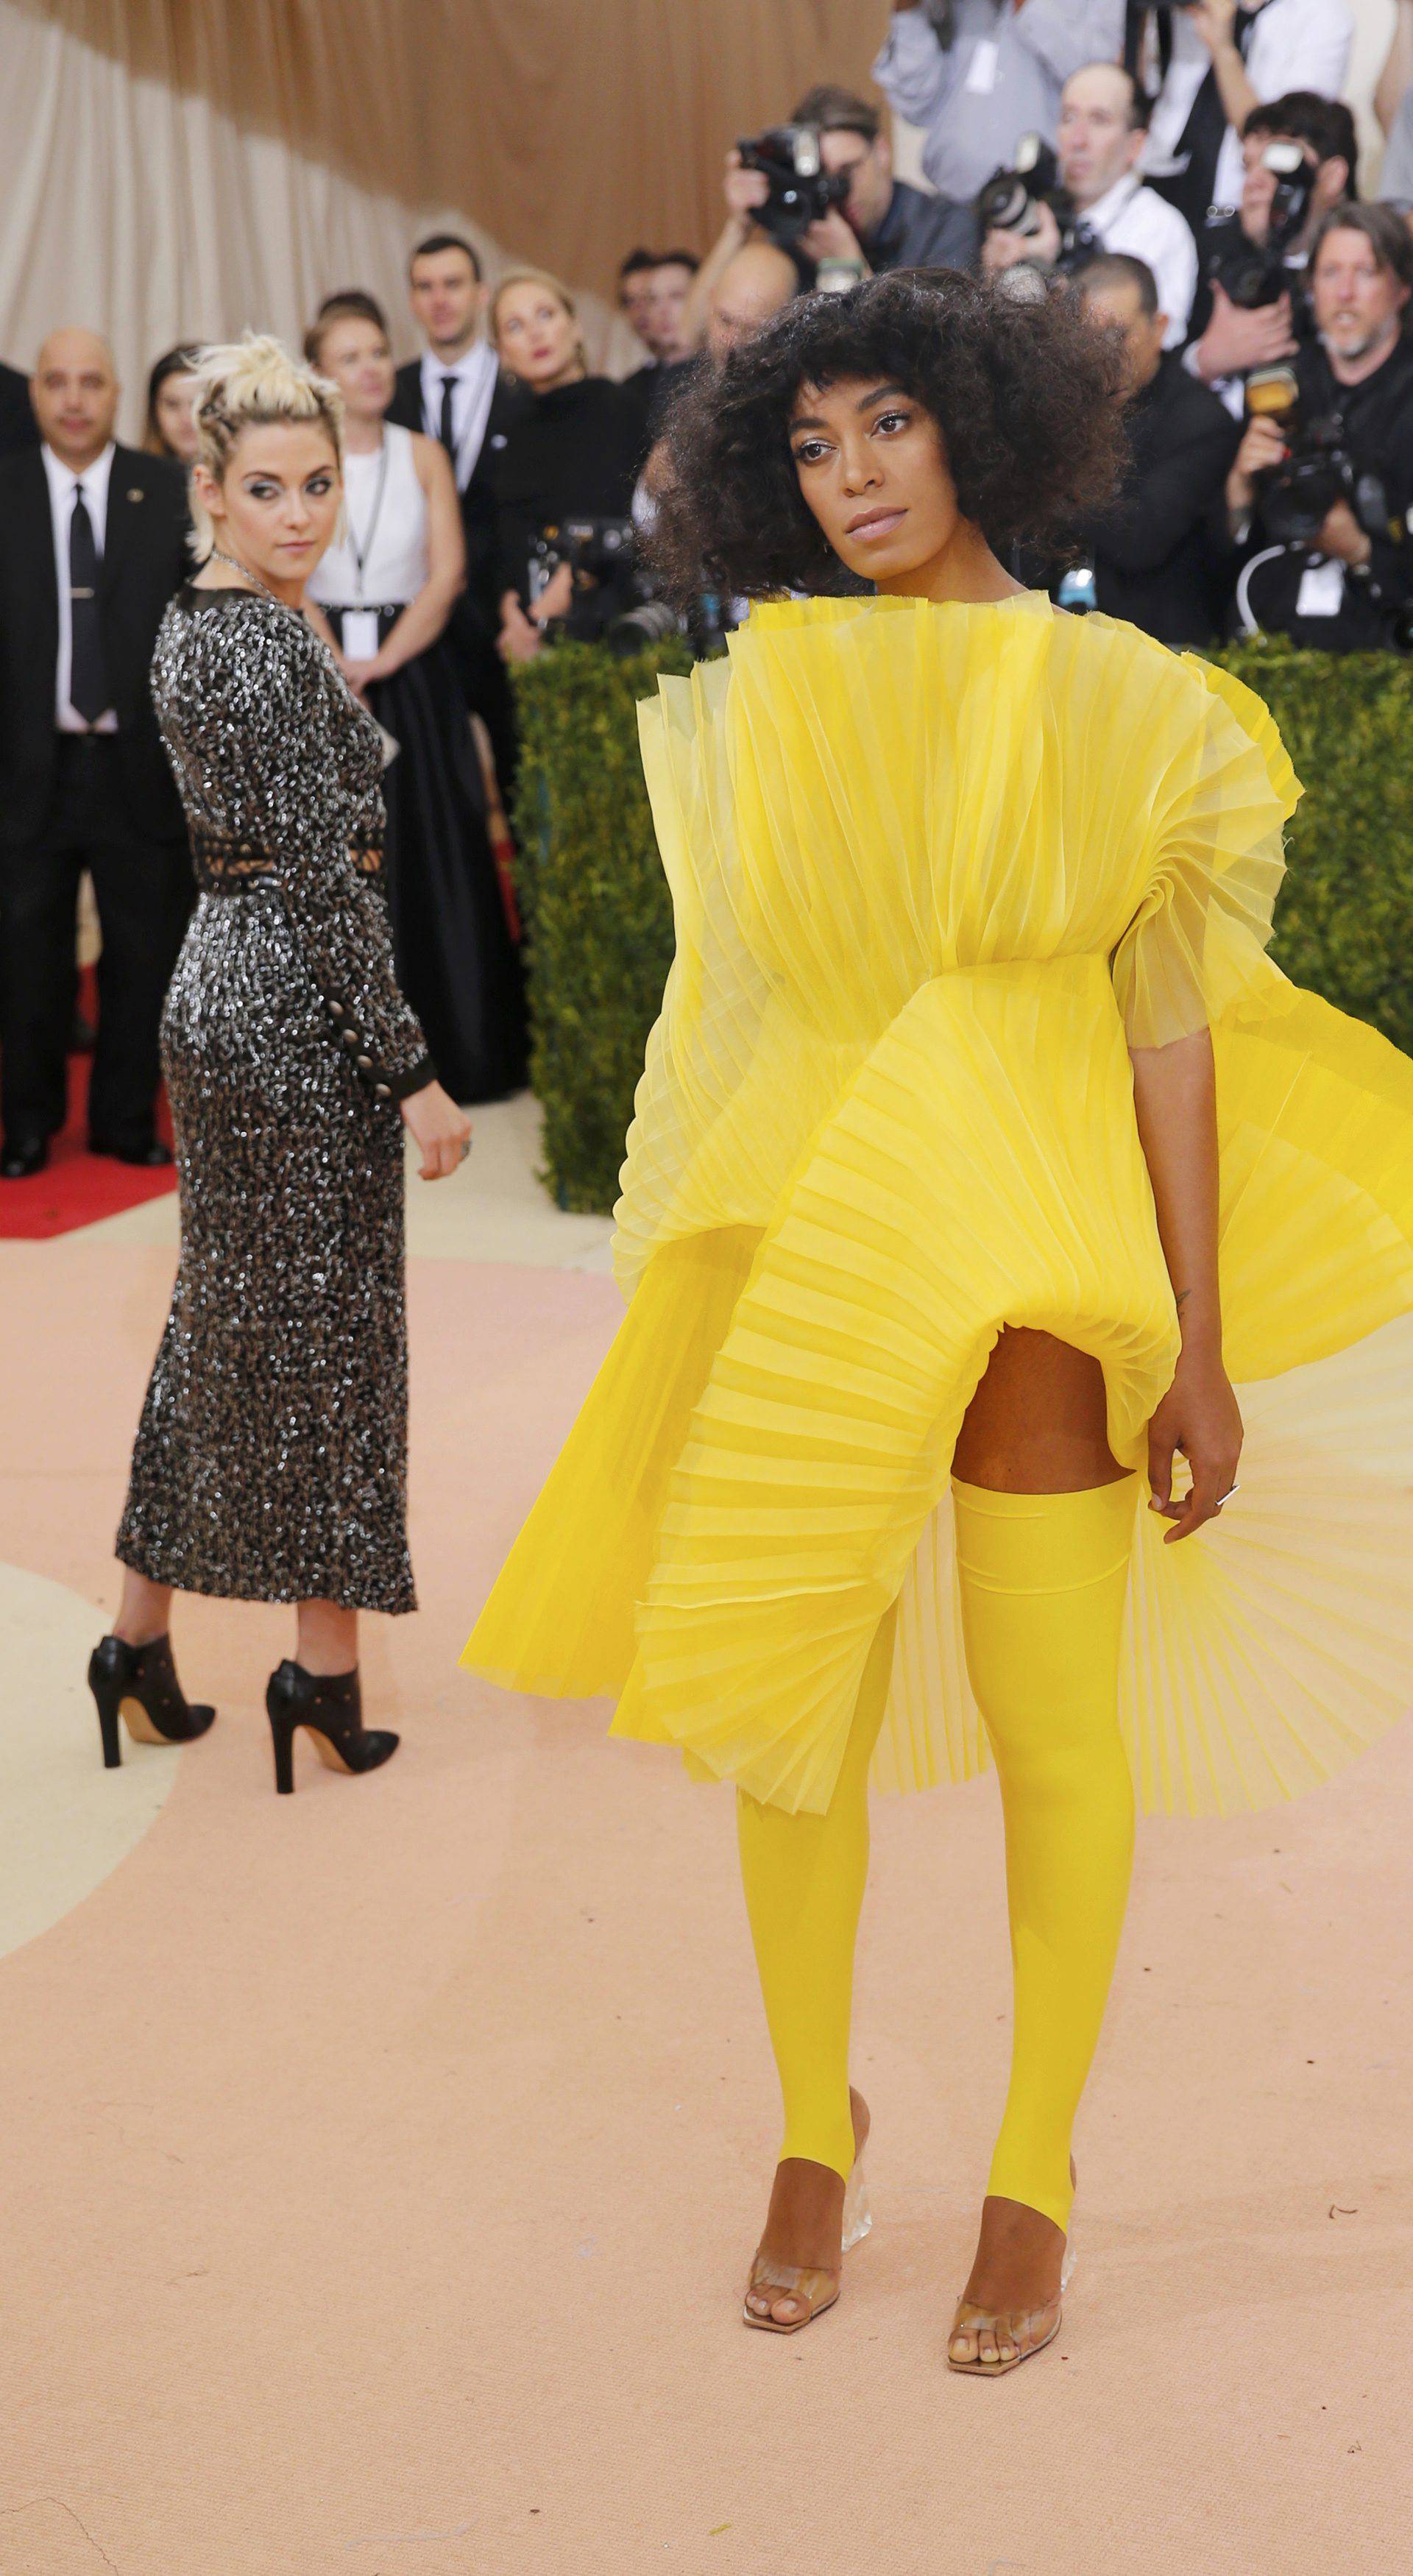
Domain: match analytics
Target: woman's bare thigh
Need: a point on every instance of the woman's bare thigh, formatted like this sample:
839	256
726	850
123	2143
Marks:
1037	1423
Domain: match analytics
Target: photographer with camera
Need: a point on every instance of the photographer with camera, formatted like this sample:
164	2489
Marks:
1214	61
822	190
1063	210
753	226
893	224
974	75
1298	159
563	480
1320	493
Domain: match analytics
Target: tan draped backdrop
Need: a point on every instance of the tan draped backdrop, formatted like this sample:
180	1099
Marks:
181	168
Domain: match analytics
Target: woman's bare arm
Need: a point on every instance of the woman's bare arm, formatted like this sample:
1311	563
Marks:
1175	1096
425	617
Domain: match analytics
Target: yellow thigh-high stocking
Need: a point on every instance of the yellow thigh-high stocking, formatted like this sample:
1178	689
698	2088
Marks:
1043	1578
804	1878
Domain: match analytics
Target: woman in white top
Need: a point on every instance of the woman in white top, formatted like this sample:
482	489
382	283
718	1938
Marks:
386	592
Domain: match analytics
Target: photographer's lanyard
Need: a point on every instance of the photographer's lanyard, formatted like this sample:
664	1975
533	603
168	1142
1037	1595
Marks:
361	553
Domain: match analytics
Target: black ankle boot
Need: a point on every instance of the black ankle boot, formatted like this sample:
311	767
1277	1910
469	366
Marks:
142	1682
330	1705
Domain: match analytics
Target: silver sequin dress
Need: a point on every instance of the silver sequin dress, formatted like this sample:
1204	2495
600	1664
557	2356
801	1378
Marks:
271	1458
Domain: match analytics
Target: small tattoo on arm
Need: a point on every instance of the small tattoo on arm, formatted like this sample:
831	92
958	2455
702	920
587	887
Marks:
1181	1298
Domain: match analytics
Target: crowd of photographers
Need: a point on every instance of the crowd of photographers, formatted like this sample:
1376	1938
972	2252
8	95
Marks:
1190	169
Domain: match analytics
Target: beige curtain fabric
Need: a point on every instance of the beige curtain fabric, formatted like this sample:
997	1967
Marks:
181	168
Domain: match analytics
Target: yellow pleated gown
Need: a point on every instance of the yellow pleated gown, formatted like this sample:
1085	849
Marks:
933	869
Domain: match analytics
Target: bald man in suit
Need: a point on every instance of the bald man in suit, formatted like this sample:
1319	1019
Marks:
92	546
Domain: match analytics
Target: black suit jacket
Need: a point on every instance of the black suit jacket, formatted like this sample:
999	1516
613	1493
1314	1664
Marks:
475	620
1158	555
18	427
144	561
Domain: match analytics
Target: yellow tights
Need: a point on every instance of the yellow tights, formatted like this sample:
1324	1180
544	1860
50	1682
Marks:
1043	1578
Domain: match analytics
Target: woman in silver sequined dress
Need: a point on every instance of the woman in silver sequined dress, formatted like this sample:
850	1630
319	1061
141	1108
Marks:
270	1462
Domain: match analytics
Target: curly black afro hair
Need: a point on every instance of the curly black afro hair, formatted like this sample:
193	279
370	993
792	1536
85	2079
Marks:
1026	396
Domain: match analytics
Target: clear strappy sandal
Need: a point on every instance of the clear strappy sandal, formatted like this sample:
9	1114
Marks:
816	2287
1026	2330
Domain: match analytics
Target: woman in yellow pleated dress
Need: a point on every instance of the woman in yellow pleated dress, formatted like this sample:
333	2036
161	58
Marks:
980	1158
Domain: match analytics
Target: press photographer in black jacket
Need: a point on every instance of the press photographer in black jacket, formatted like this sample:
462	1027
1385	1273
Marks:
1157	555
1321	489
1298	158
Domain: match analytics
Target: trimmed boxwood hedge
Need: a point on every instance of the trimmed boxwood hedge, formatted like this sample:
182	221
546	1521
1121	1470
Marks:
600	922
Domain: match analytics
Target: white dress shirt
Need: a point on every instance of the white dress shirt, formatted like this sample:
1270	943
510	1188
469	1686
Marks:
63	483
475	373
1132	218
1294	44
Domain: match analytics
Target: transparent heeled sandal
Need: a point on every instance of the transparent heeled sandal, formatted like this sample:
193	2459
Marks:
815	2287
1026	2330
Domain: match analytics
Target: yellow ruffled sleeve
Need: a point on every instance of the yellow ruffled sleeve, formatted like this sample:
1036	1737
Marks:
1226	790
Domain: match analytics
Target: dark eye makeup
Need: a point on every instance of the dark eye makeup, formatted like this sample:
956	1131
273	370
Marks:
262	487
807	447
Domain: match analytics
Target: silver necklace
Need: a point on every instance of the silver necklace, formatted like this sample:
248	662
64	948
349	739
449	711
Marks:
254	577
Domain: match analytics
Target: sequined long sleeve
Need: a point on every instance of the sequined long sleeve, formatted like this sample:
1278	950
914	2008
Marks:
260	672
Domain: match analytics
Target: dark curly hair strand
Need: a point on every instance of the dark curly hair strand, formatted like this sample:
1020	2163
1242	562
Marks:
1026	396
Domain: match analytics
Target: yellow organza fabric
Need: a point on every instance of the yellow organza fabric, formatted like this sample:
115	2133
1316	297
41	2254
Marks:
934	870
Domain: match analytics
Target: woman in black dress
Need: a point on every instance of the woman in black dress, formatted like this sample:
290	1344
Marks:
271	1458
386	588
572	459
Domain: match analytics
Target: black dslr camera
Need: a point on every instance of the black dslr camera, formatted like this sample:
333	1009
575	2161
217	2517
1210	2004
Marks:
1011	200
602	559
1299	494
801	189
1317	469
1252	277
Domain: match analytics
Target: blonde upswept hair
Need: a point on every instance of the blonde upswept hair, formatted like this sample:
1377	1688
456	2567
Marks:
247	384
552	285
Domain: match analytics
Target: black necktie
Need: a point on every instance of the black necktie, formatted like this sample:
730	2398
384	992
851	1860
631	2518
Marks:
88	671
447	431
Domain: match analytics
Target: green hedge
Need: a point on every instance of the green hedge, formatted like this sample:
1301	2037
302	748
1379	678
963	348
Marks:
597	913
600	923
1344	920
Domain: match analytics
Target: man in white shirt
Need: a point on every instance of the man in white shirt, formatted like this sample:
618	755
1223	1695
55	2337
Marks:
458	393
451	389
1100	138
1216	62
92	546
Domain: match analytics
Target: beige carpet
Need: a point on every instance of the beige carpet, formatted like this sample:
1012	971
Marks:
381	2164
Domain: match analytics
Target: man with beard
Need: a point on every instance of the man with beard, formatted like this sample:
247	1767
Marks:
1320	494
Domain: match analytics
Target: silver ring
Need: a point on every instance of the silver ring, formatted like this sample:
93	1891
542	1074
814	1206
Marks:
466	1155
1225	1498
